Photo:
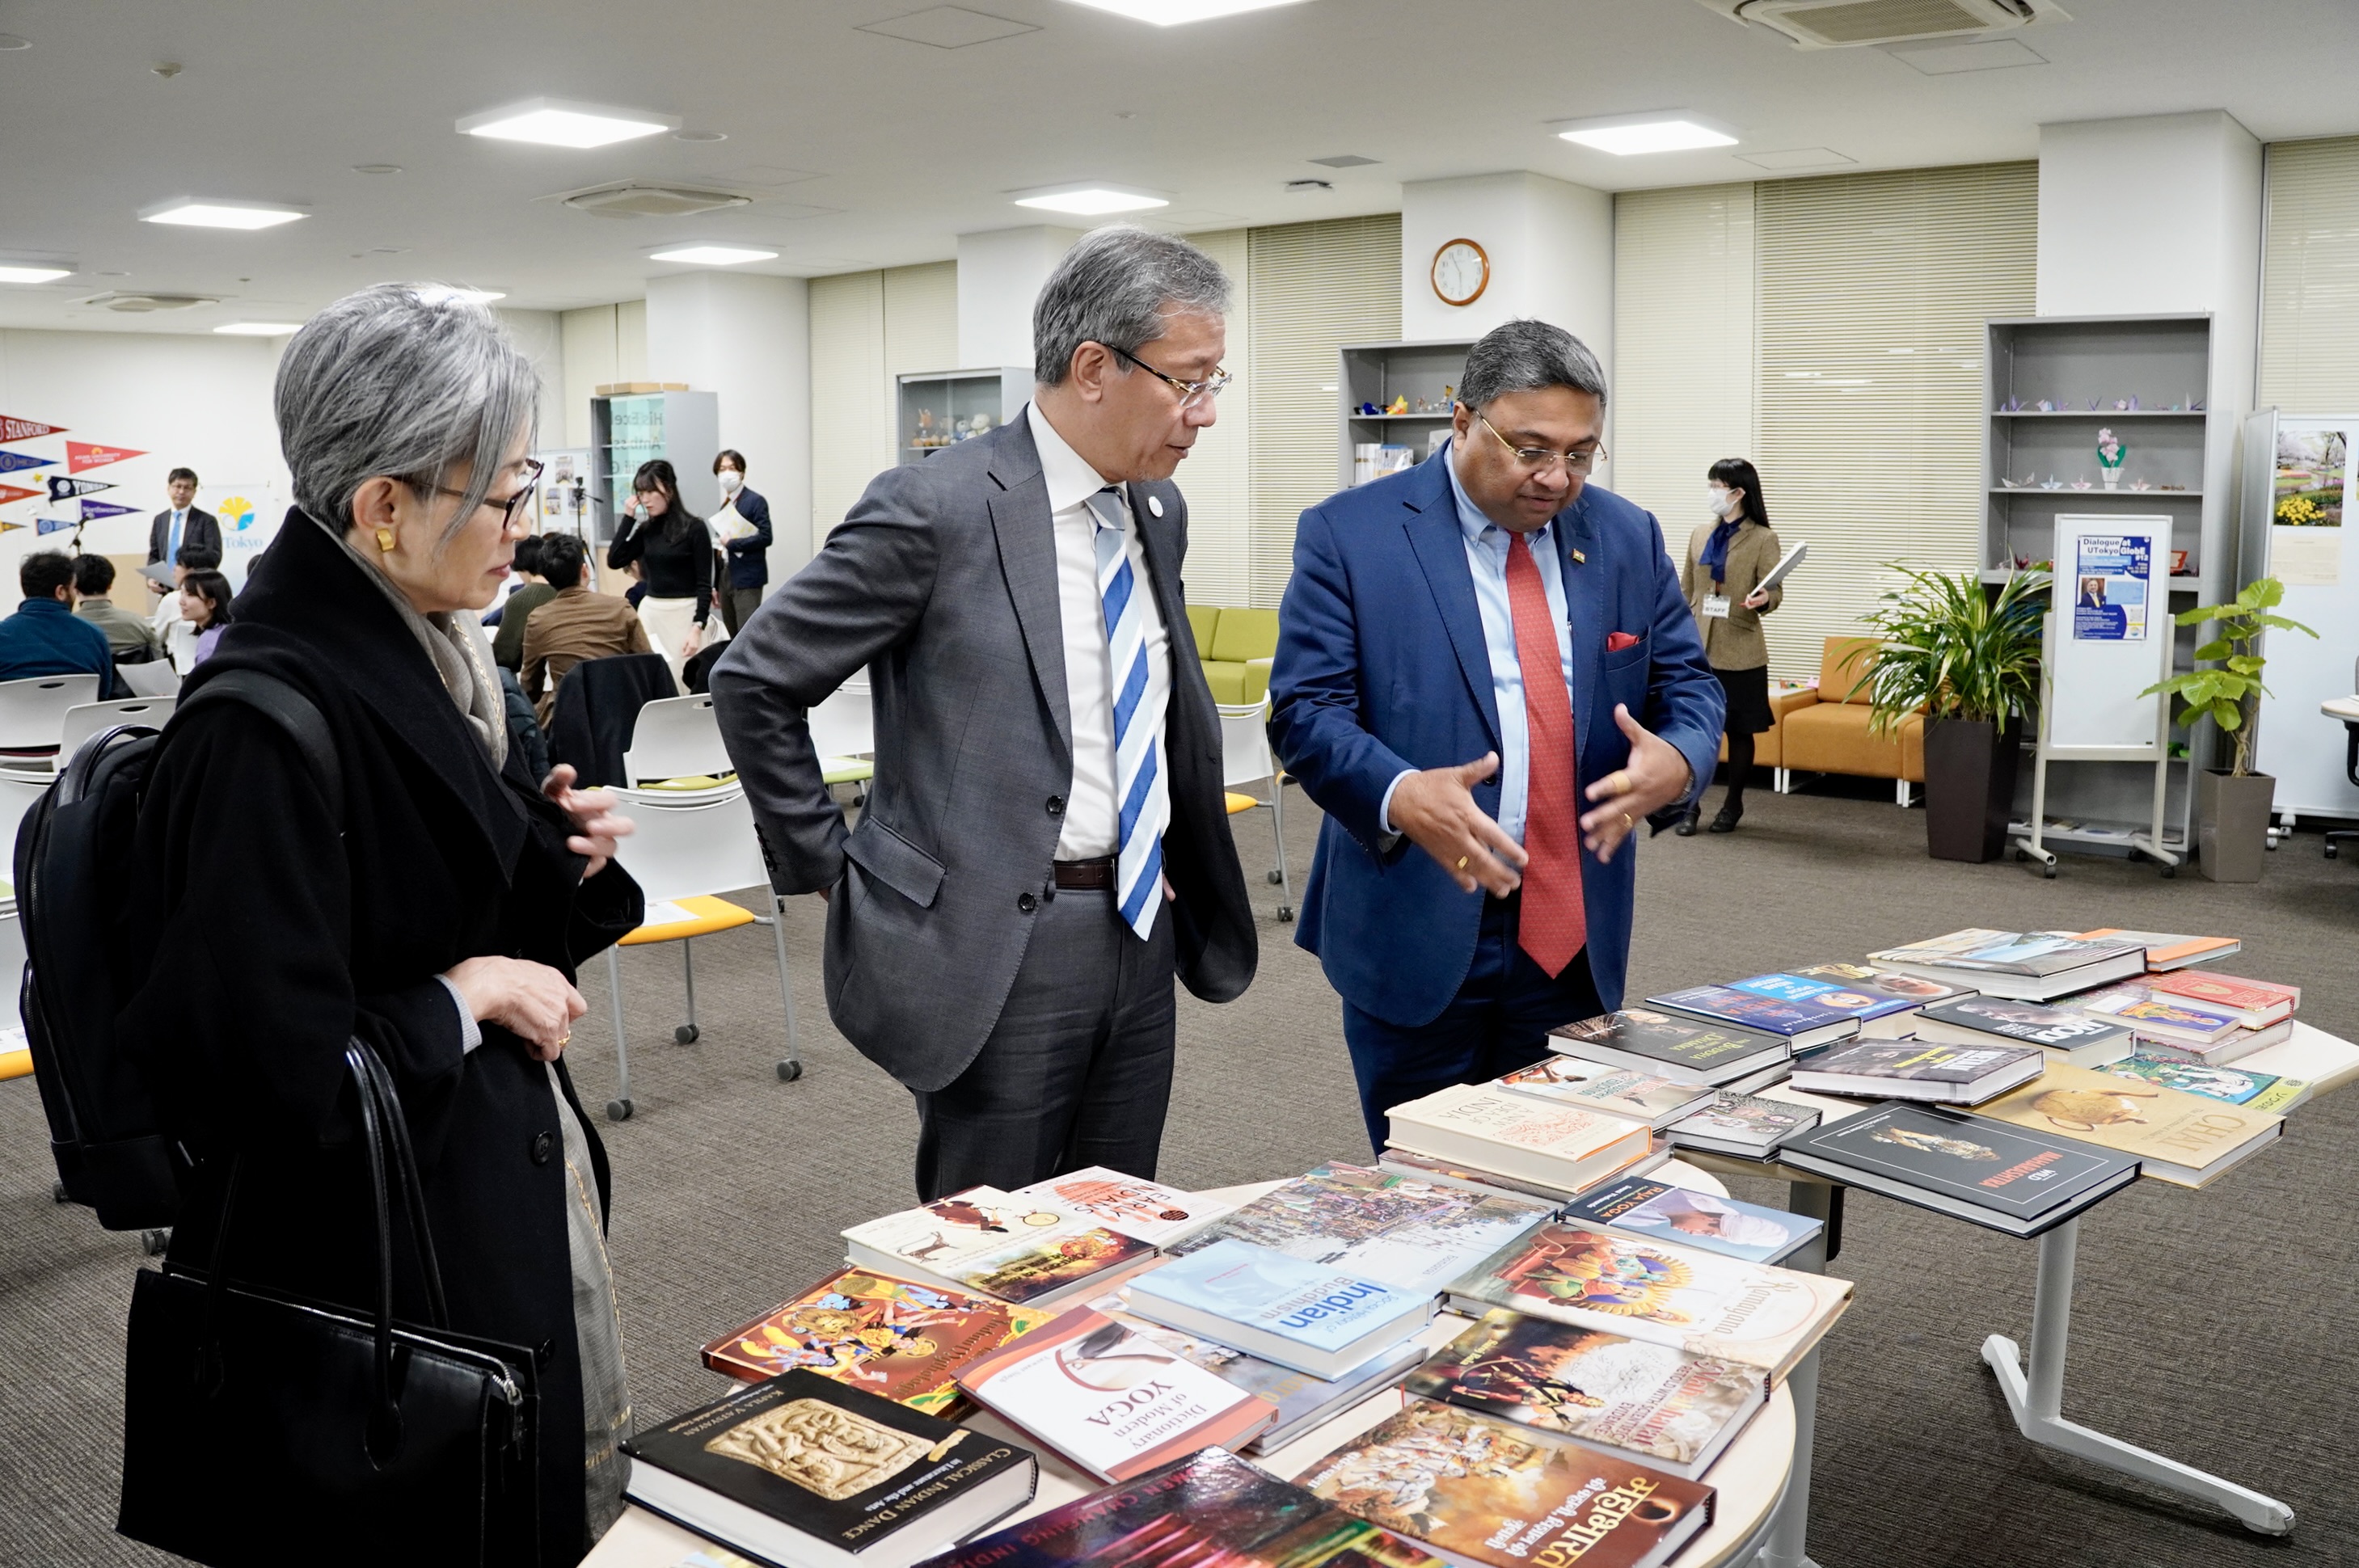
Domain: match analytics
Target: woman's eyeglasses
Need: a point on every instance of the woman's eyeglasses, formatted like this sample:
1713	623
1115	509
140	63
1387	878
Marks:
509	504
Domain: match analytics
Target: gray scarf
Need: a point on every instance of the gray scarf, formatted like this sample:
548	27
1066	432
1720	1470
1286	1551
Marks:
461	655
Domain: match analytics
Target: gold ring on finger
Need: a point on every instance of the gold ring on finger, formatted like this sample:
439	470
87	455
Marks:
1461	862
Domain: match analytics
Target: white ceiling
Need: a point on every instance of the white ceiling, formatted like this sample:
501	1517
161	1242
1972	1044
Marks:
906	146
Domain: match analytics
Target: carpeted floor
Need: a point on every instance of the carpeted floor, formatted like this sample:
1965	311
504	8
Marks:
2214	1327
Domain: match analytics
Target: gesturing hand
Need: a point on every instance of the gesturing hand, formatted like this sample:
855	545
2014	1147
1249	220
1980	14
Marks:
531	1002
1436	810
596	823
1655	776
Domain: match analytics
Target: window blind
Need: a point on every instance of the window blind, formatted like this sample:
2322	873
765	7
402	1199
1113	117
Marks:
1873	291
1217	476
2310	277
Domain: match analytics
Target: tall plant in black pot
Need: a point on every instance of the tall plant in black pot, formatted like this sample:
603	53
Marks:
1971	659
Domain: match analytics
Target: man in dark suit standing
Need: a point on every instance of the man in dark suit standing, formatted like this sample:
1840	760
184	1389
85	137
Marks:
1486	677
1045	841
182	523
748	555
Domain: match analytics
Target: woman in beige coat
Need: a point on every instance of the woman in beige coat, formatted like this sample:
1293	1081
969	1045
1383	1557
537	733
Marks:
1726	560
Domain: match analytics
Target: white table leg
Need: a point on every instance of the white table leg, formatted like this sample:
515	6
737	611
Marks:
2037	1399
1789	1536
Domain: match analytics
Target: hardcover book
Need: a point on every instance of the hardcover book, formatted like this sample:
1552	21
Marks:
1111	1400
1303	1316
2174	1020
2183	1138
1563	1145
1626	1092
1212	1511
1475	1179
1649	1402
1640	1207
1684	1049
1833	998
2166	951
1743	1125
799	1470
2256	1003
903	1341
1484	1493
2230	1085
2027	965
2005	1178
1799	1021
1023	1251
1663	1295
2080	1039
1416	1234
1145	1211
1920	1069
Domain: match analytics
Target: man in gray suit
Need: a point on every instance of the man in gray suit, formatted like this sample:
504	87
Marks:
1046	841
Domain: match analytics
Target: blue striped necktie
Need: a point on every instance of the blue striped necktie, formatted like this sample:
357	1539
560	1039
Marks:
1146	806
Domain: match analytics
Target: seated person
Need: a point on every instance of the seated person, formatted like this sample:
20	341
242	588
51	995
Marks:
130	637
180	637
44	637
532	591
204	605
577	624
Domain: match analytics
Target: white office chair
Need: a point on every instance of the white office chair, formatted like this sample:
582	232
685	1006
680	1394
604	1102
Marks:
1245	760
685	850
33	715
675	738
19	791
843	733
93	717
155	678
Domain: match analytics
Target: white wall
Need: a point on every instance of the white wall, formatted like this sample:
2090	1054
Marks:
1550	246
541	335
999	277
600	343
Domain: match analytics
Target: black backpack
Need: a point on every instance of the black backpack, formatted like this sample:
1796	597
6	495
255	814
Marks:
74	864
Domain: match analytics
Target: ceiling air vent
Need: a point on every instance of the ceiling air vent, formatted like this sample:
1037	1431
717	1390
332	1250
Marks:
143	304
1852	24
634	198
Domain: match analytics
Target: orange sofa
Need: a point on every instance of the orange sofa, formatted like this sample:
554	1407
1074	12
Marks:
1829	733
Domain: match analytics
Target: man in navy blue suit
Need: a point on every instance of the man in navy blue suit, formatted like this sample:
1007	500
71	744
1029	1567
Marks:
1486	677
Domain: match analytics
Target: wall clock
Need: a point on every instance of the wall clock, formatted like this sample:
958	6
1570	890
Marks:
1460	272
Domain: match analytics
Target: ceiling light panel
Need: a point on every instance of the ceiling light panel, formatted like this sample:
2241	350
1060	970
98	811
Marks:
1628	136
948	27
1173	13
17	272
561	122
1090	201
206	213
712	255
258	328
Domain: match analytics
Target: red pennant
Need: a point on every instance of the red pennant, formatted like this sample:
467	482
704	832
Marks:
13	429
13	492
80	455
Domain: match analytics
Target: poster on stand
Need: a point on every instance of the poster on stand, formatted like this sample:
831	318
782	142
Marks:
2306	508
2112	575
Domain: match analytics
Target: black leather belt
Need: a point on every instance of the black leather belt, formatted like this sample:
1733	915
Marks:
1080	876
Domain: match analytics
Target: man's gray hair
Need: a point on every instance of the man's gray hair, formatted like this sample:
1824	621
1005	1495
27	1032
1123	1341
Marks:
1525	355
1118	286
401	379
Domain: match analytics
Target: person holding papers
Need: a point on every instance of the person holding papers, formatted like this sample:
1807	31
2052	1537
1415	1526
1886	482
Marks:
1726	559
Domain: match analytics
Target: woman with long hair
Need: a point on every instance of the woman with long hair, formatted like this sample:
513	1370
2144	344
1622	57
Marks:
674	549
204	604
1726	559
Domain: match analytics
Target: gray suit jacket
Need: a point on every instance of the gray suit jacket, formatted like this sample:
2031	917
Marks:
942	580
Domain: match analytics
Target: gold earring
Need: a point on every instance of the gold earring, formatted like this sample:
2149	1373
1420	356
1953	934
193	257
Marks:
385	540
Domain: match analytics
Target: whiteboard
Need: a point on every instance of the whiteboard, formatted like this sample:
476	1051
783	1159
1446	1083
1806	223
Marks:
2109	634
2319	565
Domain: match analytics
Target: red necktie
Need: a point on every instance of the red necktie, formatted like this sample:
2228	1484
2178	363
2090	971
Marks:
1555	924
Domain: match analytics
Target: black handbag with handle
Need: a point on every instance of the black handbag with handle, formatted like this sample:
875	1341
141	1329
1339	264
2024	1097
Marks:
261	1428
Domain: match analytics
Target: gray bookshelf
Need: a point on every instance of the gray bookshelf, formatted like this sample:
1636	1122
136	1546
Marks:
935	409
630	428
1378	372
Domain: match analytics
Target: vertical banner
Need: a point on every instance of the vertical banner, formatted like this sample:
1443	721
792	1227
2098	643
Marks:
249	517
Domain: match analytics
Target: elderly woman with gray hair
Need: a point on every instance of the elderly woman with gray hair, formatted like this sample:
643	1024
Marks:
437	914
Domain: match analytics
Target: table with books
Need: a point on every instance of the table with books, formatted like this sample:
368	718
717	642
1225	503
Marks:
1515	1429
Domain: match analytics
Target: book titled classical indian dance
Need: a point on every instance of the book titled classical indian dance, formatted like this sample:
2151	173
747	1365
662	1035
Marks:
1481	1492
2015	1180
1644	1207
2029	966
1920	1069
2069	1036
1303	1316
1656	1292
1626	1092
804	1470
1563	1145
1686	1049
1663	1407
1209	1510
2256	1003
2183	1138
1147	1211
1750	1127
893	1337
1024	1251
2166	951
2231	1086
1110	1399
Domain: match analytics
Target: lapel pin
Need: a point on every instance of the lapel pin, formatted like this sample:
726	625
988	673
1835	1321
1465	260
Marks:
1155	504
1579	559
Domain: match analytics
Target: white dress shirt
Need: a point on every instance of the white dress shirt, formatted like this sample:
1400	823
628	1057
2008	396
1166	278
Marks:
1093	824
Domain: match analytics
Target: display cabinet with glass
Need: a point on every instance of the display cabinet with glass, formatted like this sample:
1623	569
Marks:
941	408
629	429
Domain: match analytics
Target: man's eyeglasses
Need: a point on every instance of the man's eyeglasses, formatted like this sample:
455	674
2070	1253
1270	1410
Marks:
1192	393
507	504
1540	460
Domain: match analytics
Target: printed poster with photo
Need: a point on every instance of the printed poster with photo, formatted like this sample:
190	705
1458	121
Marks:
2306	508
2111	576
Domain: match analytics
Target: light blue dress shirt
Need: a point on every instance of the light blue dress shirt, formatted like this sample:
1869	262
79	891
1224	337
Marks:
1487	557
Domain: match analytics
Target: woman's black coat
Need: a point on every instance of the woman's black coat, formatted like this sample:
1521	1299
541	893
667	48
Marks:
266	933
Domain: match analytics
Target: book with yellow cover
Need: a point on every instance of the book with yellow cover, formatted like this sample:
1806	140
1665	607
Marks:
2177	1138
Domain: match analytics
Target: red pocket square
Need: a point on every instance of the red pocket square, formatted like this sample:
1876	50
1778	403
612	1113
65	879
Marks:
1617	640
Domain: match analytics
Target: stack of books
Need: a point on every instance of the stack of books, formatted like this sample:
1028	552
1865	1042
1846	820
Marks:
1302	1315
1023	1251
1689	1050
1626	1092
2174	1026
2164	951
1747	1127
1796	1020
1487	1128
2027	966
2066	1035
1920	1069
1659	1211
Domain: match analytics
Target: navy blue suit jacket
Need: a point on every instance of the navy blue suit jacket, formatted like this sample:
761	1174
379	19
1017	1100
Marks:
1381	666
749	557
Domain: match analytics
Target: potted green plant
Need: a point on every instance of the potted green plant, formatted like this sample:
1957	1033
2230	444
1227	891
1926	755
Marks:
2232	805
1971	660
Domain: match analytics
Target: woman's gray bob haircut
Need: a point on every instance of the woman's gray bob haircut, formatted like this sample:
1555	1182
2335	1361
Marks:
1524	356
1115	286
402	379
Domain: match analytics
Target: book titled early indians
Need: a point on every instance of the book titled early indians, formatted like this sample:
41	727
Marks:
1626	1092
1110	1399
1649	1402
2016	1180
1564	1145
1212	1511
1416	1234
1665	1294
802	1470
2183	1138
1484	1493
1024	1251
904	1341
1148	1211
1684	1049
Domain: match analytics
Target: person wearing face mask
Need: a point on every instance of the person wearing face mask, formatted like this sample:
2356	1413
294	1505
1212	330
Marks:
1726	559
743	526
673	547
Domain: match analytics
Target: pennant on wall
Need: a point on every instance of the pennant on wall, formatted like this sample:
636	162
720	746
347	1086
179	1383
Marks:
92	511
10	527
10	493
11	461
80	455
13	429
54	524
63	489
